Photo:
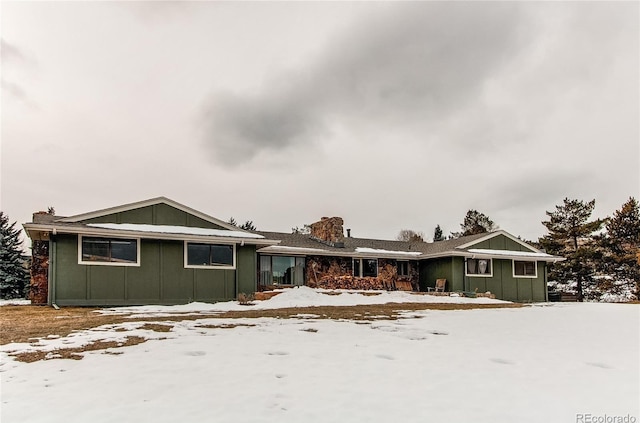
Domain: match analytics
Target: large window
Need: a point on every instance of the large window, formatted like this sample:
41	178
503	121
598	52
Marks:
209	255
479	267
365	267
113	251
281	270
525	269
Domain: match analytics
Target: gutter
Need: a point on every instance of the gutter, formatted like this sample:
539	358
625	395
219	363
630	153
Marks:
90	231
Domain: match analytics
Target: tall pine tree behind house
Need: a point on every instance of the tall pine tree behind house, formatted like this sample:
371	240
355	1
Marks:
14	277
437	234
475	223
622	243
571	235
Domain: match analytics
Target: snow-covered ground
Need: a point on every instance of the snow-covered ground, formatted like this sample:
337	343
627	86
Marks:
302	297
544	363
14	302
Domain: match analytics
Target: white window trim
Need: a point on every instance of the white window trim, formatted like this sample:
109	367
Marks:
535	267
108	263
191	266
478	275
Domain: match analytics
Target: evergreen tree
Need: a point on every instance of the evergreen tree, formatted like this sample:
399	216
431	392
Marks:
248	226
622	242
14	277
475	223
437	234
232	221
571	235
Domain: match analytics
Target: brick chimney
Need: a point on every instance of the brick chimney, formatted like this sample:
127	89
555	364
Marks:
328	229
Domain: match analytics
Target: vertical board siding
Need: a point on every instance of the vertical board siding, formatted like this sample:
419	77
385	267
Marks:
246	267
161	277
158	214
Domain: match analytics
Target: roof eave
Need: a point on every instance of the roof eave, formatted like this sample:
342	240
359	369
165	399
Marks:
33	229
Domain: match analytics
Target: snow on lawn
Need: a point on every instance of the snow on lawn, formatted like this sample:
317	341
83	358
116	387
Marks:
14	302
301	297
534	364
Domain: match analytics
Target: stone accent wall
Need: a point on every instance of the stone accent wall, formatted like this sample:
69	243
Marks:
39	285
337	273
328	229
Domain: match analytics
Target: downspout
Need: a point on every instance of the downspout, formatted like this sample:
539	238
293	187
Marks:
235	272
546	286
53	247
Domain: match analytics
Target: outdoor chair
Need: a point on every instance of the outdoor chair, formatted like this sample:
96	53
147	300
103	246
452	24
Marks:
440	283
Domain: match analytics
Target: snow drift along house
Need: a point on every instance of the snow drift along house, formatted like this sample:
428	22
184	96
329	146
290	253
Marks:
161	252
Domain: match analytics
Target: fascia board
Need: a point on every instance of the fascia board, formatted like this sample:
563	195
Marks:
319	252
89	231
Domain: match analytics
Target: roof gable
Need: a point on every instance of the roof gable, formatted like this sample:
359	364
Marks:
498	240
155	211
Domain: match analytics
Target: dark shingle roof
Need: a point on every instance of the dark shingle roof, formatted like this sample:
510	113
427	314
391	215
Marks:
350	243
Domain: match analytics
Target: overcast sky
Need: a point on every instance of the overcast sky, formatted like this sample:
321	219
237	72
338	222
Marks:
391	115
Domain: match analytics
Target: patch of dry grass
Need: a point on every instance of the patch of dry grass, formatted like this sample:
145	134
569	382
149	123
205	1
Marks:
156	327
225	326
75	353
27	323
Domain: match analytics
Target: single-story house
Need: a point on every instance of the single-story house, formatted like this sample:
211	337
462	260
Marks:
159	251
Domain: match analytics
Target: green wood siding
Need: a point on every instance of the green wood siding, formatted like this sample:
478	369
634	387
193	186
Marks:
158	214
247	266
506	287
503	284
161	277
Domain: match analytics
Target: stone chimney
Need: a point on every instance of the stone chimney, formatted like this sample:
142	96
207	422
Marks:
328	229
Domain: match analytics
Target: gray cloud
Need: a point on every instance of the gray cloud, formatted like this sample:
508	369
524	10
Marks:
12	56
10	52
413	63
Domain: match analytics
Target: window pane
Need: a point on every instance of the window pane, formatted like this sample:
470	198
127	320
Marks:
265	270
95	249
124	250
222	255
298	276
472	266
524	268
529	268
478	267
484	267
356	267
370	267
283	269
198	254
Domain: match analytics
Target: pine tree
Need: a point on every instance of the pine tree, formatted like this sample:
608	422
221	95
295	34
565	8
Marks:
232	221
475	223
437	234
248	226
571	235
622	241
14	277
